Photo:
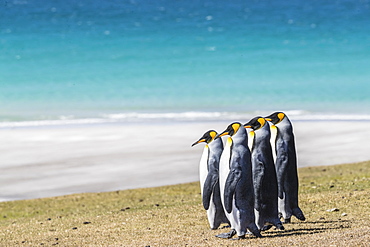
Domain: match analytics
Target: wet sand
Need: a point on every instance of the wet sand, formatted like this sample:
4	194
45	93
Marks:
51	161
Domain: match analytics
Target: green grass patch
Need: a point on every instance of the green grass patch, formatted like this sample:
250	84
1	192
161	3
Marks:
174	216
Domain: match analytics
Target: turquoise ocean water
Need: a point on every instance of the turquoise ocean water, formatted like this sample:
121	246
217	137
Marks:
113	61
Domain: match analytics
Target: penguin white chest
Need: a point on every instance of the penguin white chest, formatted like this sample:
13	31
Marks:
251	136
203	167
224	167
274	132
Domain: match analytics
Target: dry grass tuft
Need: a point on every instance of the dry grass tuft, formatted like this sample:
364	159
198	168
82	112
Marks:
173	216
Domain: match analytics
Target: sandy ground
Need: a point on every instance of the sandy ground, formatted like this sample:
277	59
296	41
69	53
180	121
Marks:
51	161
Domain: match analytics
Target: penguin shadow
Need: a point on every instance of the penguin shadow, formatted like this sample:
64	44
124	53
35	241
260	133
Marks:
305	231
318	222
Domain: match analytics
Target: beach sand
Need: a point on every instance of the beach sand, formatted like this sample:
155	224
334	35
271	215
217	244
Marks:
50	161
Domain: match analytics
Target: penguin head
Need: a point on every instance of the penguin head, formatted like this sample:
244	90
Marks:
207	137
231	130
255	123
276	117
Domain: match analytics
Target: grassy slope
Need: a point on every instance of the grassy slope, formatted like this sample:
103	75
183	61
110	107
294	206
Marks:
173	216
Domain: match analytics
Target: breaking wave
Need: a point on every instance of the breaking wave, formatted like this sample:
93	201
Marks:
191	116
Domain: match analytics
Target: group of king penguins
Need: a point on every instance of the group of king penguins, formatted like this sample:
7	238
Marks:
251	181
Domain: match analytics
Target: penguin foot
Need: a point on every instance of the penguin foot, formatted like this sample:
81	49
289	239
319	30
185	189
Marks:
227	235
239	237
287	220
266	227
280	215
257	233
280	226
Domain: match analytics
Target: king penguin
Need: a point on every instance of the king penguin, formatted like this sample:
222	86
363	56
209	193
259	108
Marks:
283	145
236	184
209	183
264	174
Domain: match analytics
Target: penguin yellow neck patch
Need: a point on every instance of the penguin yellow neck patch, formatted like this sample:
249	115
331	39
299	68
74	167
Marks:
273	132
251	139
229	141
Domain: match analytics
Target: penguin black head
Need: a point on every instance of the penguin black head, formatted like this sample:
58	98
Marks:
276	117
230	130
255	123
207	137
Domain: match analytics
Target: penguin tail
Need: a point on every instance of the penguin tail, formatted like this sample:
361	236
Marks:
297	212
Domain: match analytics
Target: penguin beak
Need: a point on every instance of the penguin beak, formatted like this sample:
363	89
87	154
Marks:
201	140
222	134
268	119
247	126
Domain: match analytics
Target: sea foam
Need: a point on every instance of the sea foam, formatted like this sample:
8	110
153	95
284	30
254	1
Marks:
191	116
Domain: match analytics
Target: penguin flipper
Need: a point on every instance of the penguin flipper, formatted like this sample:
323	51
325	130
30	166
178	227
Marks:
230	185
281	164
258	180
208	188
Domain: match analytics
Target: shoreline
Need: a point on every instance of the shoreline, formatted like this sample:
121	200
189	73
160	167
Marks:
50	161
130	118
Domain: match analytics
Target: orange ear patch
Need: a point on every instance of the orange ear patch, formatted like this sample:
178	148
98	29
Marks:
281	116
236	127
213	134
262	121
